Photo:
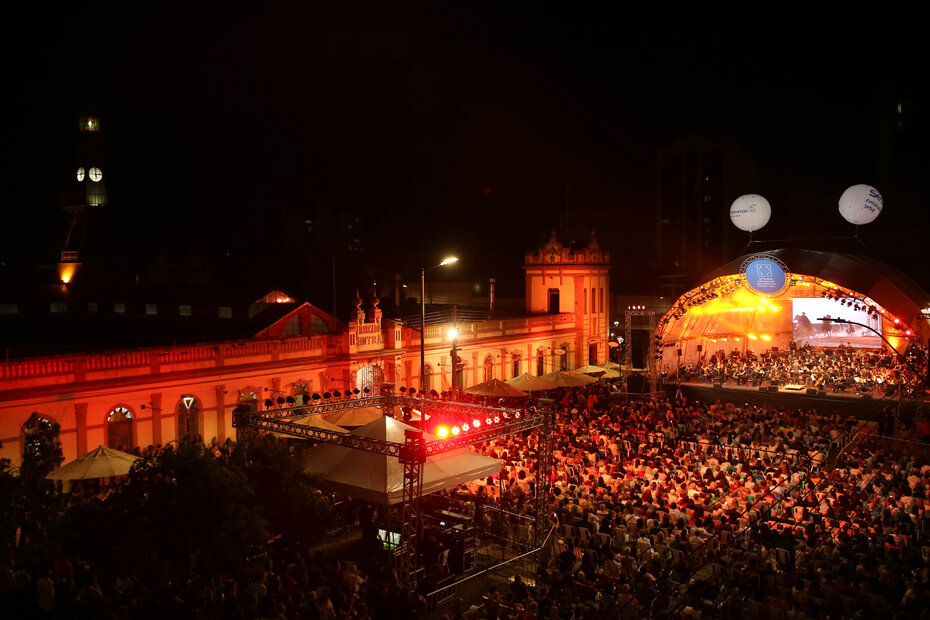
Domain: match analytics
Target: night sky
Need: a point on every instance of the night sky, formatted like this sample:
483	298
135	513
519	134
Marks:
463	128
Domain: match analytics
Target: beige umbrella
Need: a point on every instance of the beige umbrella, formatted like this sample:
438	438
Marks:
355	417
495	387
612	366
591	369
314	421
610	374
100	463
565	378
529	383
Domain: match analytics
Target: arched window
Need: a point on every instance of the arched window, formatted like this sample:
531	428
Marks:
119	429
516	365
370	377
249	399
540	362
593	300
489	368
426	381
40	441
188	417
600	305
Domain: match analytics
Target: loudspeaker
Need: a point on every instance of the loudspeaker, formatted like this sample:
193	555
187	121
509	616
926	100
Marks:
811	391
773	388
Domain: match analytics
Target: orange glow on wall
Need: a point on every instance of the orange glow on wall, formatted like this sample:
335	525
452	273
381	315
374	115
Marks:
66	271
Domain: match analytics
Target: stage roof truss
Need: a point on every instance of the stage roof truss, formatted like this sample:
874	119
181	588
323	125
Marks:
513	421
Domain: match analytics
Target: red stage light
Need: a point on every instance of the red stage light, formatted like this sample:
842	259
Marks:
465	427
442	432
476	423
456	430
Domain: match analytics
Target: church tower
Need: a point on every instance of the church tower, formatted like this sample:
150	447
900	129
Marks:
88	191
562	281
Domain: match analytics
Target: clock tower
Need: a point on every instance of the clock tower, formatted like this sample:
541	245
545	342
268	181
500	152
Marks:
89	192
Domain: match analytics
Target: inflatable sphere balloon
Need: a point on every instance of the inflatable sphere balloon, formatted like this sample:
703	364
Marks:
861	204
750	212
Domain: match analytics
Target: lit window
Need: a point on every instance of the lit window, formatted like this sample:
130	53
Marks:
119	308
184	310
151	309
225	312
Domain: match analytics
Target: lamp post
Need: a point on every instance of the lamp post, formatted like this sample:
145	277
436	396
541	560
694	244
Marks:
445	261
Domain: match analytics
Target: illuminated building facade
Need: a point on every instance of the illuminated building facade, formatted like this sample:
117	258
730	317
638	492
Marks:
127	398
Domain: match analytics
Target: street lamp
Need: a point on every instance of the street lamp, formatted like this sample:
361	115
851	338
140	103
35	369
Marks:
445	261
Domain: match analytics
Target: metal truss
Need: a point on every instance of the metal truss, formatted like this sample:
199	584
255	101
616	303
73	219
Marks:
414	451
628	334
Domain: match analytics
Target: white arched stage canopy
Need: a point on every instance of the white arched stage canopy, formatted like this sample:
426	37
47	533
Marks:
729	312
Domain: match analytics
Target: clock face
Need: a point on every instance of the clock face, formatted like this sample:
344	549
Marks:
80	175
95	174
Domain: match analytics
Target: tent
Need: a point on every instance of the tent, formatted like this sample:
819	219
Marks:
495	387
354	417
100	463
591	369
564	378
379	478
529	383
314	421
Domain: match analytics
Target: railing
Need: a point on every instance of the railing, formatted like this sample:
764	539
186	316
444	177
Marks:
145	358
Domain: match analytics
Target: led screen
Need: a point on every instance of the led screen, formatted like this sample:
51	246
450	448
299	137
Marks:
813	323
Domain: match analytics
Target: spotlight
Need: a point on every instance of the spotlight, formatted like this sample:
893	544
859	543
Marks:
290	400
337	393
268	403
316	396
281	401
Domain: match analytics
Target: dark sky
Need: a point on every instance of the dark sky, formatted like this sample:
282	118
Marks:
464	127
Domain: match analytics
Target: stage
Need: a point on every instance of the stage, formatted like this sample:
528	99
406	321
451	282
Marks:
826	403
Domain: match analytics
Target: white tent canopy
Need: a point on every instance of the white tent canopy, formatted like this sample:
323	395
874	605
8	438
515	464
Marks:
379	479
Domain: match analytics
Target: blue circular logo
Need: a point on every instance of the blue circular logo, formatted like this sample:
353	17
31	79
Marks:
765	276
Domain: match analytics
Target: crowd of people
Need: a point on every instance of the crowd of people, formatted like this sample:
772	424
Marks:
842	369
688	510
654	508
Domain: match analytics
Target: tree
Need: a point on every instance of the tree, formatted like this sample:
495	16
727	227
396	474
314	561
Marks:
285	492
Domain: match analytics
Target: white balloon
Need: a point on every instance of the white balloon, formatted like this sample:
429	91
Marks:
750	212
861	204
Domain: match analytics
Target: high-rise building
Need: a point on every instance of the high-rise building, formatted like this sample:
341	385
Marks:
696	181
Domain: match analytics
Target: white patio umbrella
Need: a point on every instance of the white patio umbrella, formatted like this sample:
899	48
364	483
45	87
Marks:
100	463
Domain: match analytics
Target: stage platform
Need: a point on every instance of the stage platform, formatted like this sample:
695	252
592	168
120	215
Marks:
844	403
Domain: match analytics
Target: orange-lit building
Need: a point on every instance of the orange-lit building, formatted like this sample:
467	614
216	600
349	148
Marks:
157	394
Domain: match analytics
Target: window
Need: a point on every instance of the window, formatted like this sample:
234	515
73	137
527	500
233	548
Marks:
540	363
119	308
151	309
225	312
593	299
489	368
292	328
40	439
58	306
188	417
553	301
584	302
600	305
318	325
119	429
516	365
184	310
92	306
